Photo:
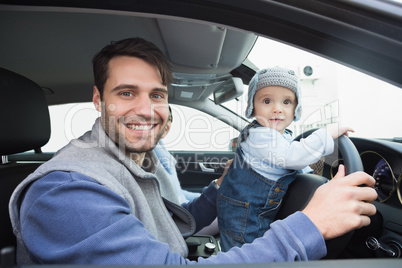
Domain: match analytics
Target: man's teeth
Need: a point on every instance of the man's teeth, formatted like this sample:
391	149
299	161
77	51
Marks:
140	127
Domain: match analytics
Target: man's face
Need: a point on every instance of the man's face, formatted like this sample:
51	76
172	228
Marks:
134	109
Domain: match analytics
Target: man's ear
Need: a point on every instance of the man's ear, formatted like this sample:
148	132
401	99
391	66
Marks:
96	99
168	125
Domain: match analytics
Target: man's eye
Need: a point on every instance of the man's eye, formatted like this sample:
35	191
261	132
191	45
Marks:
157	96
126	94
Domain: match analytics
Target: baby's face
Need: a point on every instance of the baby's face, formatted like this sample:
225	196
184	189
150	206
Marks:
274	107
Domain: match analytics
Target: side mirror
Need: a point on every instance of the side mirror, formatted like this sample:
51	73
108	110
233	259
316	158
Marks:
233	145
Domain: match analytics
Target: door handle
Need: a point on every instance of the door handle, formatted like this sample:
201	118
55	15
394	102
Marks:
205	169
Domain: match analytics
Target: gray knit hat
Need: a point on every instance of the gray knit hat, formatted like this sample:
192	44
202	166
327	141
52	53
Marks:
276	76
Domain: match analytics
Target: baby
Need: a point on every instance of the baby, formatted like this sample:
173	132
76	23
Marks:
267	160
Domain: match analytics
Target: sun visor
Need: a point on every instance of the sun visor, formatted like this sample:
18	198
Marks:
200	45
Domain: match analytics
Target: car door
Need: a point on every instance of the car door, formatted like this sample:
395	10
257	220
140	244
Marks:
197	169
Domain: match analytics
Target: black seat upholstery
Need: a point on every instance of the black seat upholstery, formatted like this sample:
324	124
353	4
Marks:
25	126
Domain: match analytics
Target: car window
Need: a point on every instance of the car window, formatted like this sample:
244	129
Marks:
191	130
69	121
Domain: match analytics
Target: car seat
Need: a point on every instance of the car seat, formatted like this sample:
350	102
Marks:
25	126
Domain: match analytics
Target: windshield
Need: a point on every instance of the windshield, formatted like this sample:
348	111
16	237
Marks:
331	93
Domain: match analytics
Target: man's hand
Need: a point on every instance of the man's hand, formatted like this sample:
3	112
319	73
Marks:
340	205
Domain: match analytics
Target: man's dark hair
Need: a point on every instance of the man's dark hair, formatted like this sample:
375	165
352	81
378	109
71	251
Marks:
170	114
132	47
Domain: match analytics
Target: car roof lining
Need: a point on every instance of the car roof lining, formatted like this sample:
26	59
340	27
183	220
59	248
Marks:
350	42
61	64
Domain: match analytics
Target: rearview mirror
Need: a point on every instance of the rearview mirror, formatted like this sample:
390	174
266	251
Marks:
228	90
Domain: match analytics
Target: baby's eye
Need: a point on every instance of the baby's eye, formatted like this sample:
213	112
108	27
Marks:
287	102
267	101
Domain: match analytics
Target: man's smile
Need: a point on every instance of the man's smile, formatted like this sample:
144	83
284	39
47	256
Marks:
140	126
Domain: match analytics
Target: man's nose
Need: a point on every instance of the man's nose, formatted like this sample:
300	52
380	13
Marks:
143	105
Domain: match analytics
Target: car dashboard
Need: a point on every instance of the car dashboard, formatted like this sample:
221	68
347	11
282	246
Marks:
382	159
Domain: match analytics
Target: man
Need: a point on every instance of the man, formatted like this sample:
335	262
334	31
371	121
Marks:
105	199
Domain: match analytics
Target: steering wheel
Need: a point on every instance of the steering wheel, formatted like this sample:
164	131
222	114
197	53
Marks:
301	190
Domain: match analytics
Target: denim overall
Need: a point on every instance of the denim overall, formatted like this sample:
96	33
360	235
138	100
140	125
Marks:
247	201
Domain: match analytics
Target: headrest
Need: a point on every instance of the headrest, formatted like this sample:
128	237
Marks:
24	114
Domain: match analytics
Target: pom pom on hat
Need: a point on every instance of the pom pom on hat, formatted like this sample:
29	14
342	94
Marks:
276	76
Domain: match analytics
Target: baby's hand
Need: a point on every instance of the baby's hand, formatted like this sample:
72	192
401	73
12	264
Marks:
335	130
